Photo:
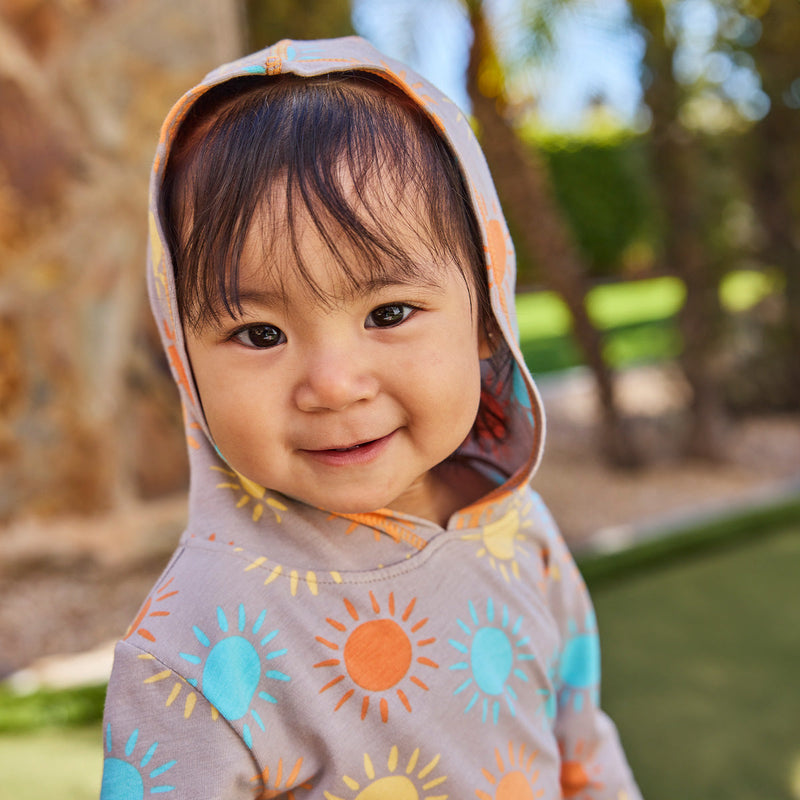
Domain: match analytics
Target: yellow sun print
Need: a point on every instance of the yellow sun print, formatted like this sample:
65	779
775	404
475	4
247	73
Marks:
250	492
294	576
405	783
501	541
378	654
190	696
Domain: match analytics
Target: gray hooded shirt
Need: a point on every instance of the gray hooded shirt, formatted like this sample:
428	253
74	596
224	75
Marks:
288	651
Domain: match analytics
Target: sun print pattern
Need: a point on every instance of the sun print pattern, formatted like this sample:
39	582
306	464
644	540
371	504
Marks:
130	776
493	656
376	653
295	578
499	253
150	610
249	491
417	779
276	784
579	665
513	777
233	669
501	541
190	698
380	523
577	776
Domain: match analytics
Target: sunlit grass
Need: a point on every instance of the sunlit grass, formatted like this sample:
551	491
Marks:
67	707
59	730
742	289
63	763
638	319
541	315
612	305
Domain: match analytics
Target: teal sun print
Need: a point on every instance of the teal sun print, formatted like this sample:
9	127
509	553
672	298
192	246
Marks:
579	665
233	668
493	655
130	778
549	706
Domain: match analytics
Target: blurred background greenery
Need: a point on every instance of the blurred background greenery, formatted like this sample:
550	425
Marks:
645	152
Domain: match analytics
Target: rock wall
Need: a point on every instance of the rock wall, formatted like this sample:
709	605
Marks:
88	412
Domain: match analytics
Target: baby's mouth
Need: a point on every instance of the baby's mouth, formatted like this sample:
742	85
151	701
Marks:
361	452
352	447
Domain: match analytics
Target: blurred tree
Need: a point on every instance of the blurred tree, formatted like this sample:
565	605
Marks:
689	192
603	185
724	94
269	21
523	184
773	163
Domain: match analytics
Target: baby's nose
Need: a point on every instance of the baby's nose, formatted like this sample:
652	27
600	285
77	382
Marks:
334	380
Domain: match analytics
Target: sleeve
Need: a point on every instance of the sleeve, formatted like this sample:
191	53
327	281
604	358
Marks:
593	763
160	735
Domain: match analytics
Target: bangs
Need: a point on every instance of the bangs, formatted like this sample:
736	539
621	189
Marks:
378	245
348	153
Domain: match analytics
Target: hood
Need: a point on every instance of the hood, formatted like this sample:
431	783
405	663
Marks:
509	450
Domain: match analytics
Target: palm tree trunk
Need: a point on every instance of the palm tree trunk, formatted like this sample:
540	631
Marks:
678	168
523	184
775	176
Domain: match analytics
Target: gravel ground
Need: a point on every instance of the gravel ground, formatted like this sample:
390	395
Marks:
589	499
70	586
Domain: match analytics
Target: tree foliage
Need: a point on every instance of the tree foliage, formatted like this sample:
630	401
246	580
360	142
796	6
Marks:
725	105
269	22
603	187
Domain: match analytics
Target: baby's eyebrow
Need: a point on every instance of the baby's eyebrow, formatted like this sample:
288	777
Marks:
377	282
266	296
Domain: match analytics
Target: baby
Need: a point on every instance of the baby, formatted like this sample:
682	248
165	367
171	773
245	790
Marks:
368	601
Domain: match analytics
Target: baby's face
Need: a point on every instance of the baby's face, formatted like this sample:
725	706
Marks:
348	405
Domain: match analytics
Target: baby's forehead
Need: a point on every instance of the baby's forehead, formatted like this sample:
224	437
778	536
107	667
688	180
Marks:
387	238
273	273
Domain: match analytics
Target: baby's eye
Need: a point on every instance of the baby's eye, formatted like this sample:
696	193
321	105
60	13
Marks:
260	336
388	315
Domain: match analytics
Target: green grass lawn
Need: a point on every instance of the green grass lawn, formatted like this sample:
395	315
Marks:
50	745
701	659
51	764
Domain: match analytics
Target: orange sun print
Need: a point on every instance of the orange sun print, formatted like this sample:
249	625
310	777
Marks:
161	594
499	252
577	777
271	782
378	655
515	776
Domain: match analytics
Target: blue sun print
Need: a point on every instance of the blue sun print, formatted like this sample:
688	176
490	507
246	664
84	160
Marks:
493	654
233	669
579	665
127	776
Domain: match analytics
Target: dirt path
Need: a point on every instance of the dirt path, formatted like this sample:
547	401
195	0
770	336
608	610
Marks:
587	498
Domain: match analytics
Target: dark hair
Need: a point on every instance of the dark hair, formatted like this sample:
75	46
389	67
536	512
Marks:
319	144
